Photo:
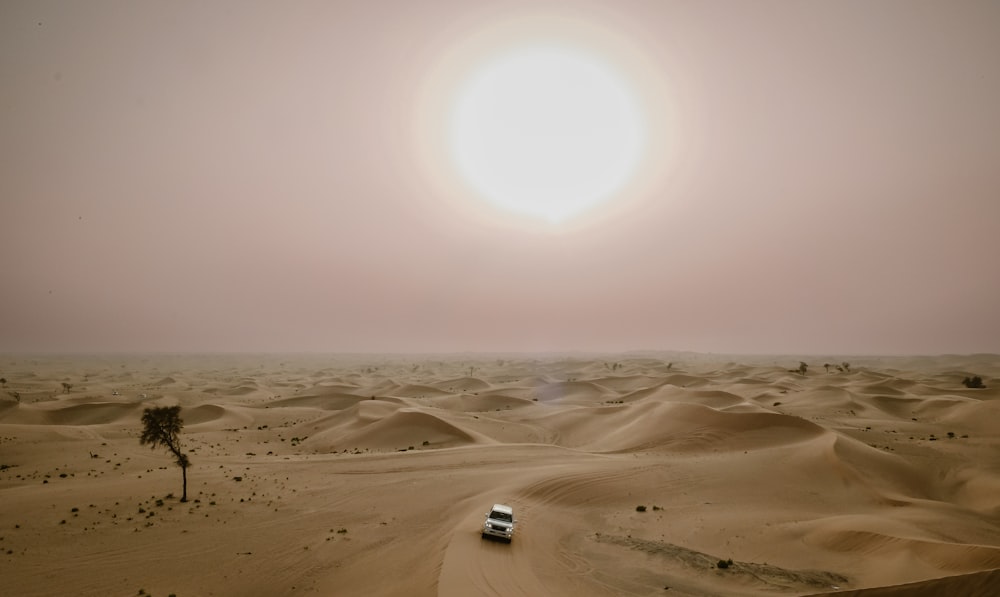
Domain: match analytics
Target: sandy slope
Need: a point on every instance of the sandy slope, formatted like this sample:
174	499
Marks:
371	475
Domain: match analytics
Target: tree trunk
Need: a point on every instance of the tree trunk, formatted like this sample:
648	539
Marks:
184	472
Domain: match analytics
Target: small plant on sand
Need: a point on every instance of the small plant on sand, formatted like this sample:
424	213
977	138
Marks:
974	382
725	563
66	387
161	427
640	508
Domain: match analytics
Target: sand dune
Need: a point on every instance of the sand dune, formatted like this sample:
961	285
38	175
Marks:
325	401
464	384
977	583
97	413
491	401
360	475
207	417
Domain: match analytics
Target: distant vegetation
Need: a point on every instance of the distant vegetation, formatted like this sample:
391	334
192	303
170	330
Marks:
801	370
843	367
975	382
66	387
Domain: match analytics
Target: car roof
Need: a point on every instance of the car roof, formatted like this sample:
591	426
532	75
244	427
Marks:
503	508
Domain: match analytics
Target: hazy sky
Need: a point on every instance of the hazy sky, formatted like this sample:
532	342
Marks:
252	176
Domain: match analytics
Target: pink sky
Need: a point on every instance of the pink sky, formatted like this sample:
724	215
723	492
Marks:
242	176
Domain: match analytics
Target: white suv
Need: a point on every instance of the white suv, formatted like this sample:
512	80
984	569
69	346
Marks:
499	522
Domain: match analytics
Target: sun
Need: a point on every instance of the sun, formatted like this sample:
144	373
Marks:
544	122
546	131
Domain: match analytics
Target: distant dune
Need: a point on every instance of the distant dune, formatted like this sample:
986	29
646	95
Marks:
629	476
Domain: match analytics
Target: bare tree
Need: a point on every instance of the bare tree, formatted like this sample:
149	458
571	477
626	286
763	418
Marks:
66	387
161	427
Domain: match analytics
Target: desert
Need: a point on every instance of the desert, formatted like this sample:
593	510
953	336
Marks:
680	298
630	474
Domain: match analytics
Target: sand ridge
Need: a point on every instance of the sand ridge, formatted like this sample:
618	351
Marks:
315	474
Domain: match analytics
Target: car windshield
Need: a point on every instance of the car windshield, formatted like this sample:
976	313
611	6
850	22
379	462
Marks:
500	516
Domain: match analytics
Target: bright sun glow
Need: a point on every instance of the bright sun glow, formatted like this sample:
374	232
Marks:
546	131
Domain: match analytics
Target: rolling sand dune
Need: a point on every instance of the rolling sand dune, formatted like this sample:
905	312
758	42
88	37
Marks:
363	475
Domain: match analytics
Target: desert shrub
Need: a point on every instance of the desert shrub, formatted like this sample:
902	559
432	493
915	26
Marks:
725	563
974	382
640	508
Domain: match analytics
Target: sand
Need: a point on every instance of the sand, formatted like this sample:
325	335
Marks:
371	475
